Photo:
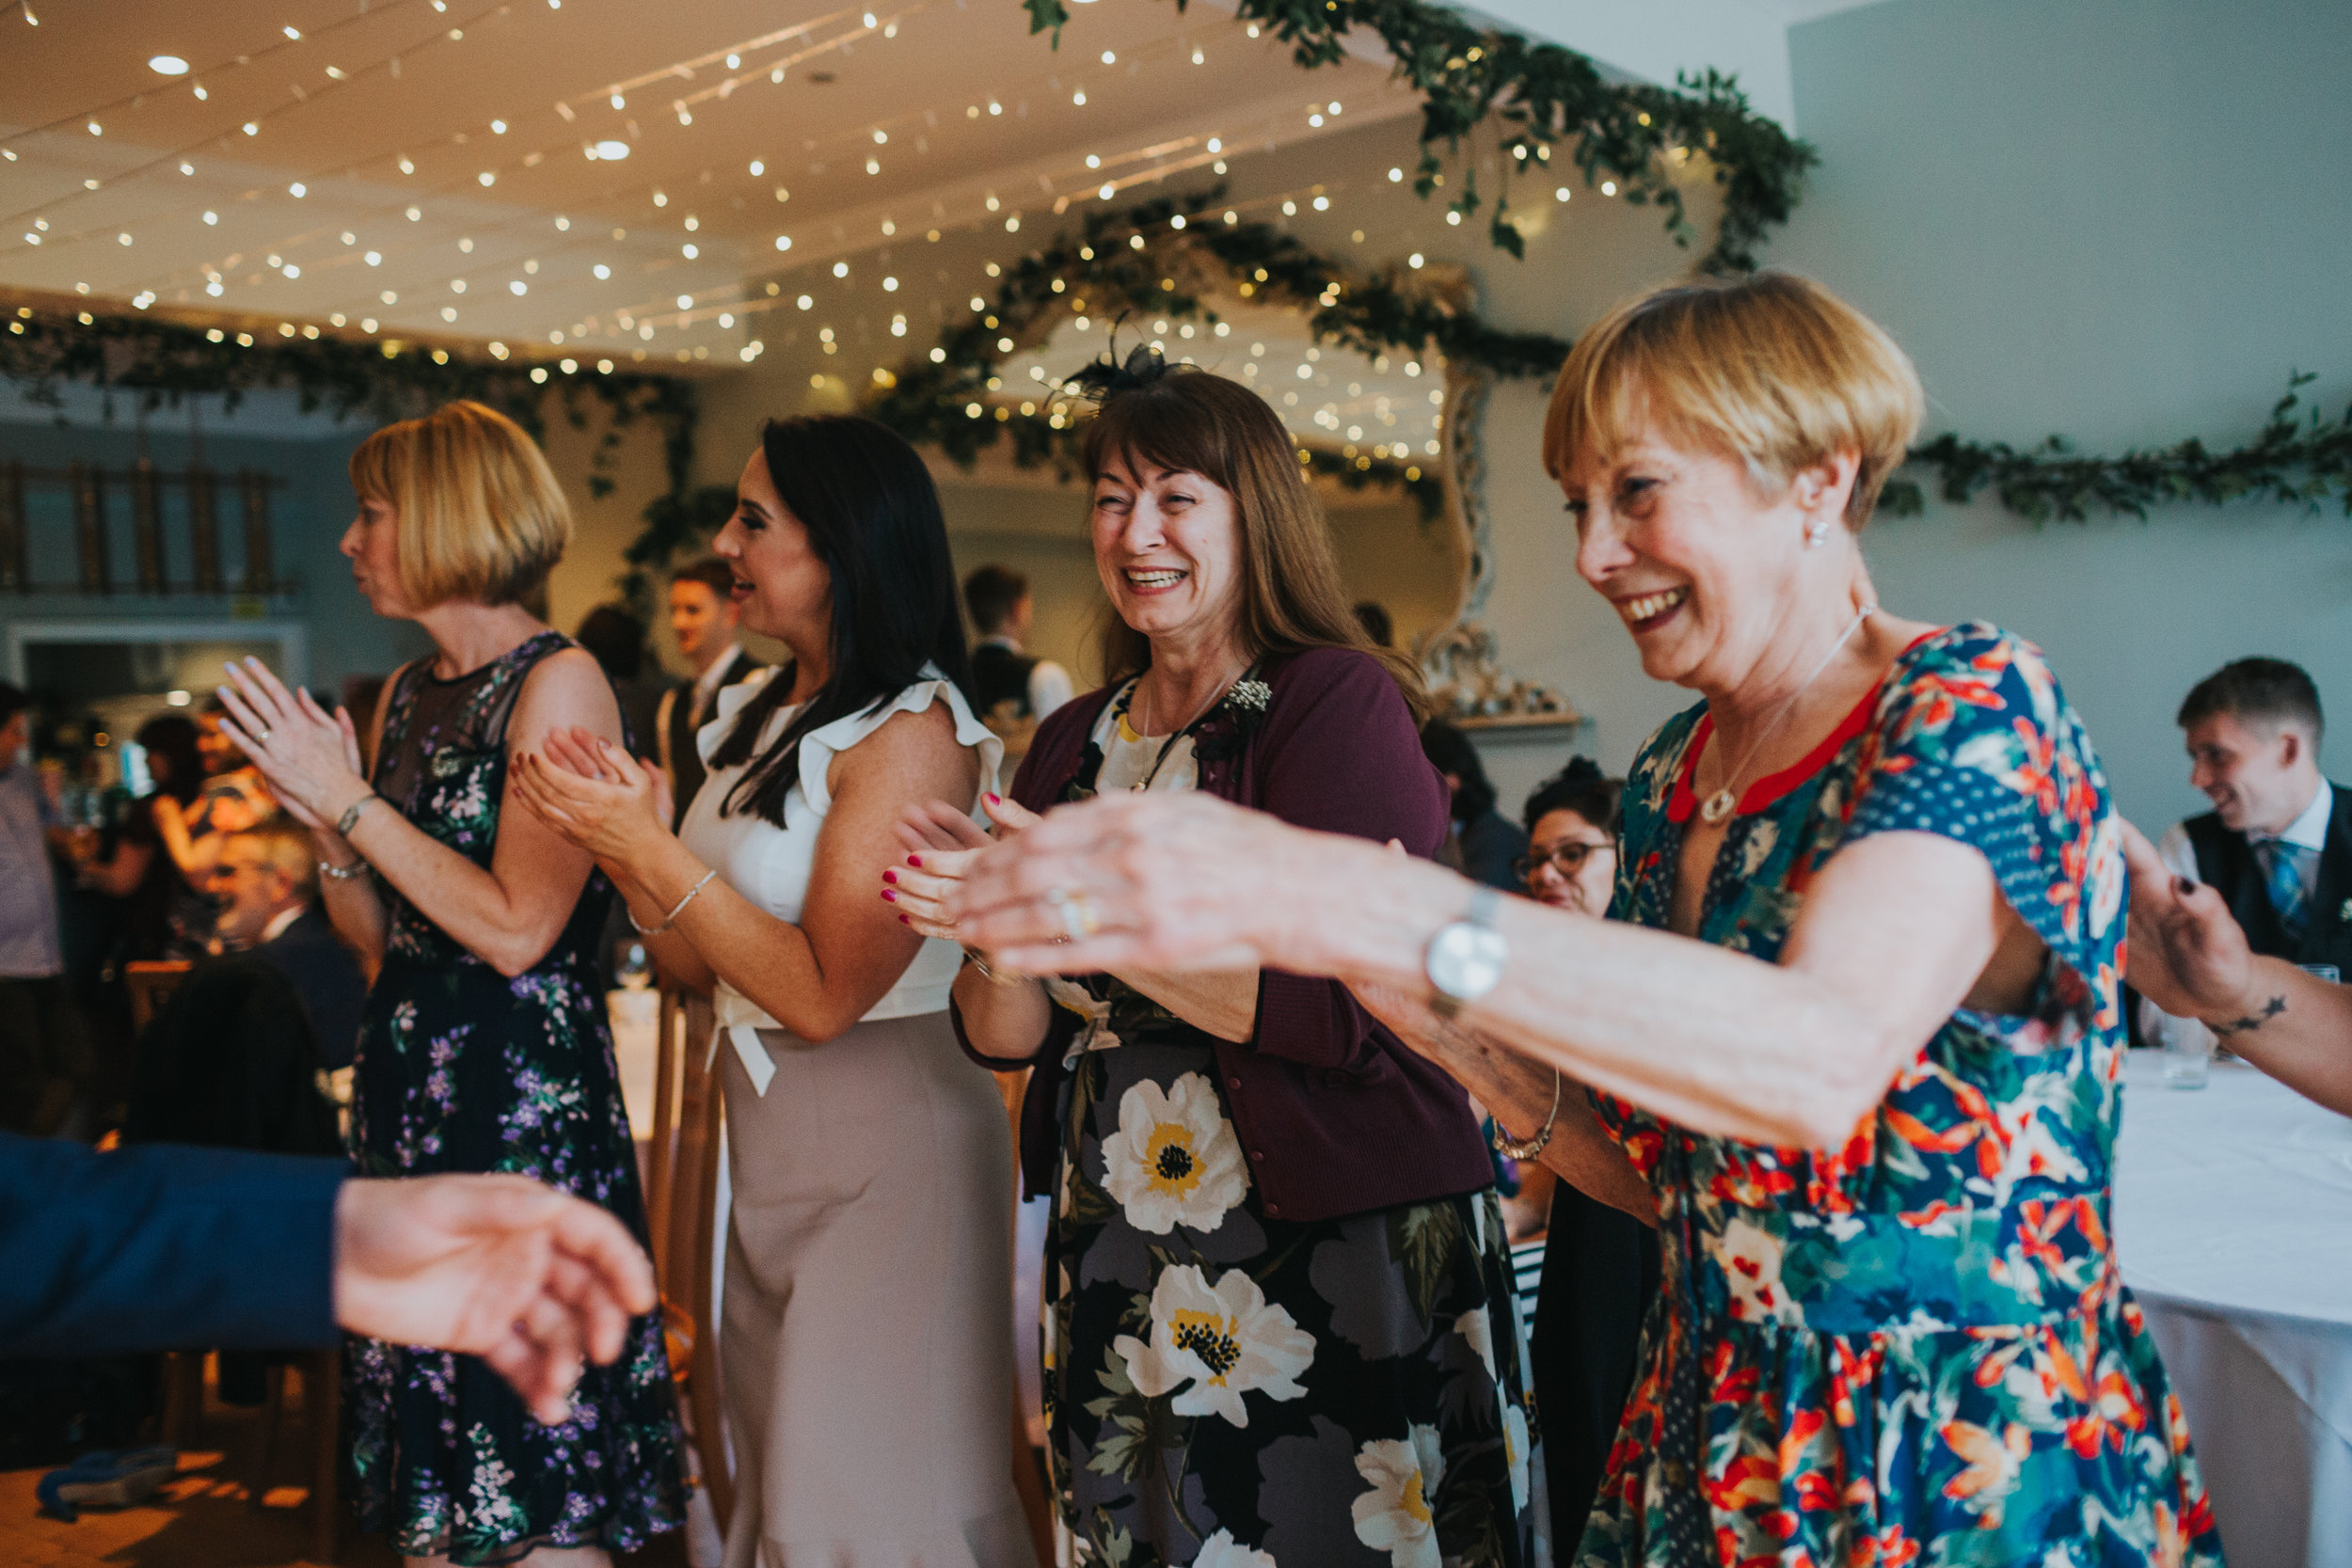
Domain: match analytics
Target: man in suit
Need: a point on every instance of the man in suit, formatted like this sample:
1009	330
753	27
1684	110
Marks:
1002	610
703	617
164	1246
2277	846
266	881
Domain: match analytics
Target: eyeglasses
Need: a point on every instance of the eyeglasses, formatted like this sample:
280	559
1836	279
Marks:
1566	858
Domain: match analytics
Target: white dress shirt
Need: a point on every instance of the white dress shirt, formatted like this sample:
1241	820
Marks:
2307	831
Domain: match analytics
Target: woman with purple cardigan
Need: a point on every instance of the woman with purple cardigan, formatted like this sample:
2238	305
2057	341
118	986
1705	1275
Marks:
1278	1321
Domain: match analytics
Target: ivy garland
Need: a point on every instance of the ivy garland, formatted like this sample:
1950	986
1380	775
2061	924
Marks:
1540	93
162	361
2294	460
1156	259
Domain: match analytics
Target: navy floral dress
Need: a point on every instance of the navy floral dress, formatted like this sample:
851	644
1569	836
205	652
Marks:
1912	1350
1228	1389
462	1069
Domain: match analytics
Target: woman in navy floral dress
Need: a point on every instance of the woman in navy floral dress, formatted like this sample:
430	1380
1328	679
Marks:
484	1047
1852	1039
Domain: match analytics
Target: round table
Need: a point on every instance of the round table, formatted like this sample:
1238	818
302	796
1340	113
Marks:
2233	1229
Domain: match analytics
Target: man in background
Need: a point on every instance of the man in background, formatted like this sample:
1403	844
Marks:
703	618
42	1048
266	882
1002	673
2277	844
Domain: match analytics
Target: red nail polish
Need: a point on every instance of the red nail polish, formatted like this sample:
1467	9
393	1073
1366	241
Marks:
888	897
890	875
993	800
905	921
915	860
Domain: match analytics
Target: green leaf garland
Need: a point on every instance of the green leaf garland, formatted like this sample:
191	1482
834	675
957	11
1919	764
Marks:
1539	94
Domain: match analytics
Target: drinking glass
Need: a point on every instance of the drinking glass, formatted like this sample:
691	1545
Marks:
2187	1057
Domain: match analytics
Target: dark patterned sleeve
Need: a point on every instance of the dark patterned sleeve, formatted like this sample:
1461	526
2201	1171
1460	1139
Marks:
1973	741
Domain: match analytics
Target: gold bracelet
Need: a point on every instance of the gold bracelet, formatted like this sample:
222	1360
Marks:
1511	1148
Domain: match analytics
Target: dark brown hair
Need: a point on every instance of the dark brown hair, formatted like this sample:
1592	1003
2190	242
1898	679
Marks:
1188	421
2258	690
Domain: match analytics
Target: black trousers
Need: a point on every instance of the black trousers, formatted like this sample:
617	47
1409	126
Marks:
1600	1273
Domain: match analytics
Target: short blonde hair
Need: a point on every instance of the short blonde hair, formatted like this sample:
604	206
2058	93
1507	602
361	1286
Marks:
1774	369
481	515
286	848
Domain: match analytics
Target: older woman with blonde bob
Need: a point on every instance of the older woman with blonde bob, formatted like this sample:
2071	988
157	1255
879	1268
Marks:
1852	1034
1278	1323
483	1045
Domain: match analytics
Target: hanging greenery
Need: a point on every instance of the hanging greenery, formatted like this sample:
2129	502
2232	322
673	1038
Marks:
1159	260
1539	94
160	362
2297	458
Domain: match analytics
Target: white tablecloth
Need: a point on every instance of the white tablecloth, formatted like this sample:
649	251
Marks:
2233	1227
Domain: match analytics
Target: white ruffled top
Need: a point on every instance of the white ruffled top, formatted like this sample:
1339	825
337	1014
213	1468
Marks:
771	866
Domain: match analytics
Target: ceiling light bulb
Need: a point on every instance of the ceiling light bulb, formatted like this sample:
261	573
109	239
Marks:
498	127
200	94
211	217
686	302
618	101
758	169
298	190
783	242
1109	58
293	33
167	65
603	272
611	151
734	61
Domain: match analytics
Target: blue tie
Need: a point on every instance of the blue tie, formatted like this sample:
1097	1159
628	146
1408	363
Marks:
2286	884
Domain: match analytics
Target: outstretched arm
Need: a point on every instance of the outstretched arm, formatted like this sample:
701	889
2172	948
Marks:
2189	957
1895	934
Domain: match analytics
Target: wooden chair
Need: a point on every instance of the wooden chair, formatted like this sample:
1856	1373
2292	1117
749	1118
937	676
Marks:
689	1115
150	982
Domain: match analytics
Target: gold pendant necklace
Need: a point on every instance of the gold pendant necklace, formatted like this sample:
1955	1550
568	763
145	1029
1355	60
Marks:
1720	804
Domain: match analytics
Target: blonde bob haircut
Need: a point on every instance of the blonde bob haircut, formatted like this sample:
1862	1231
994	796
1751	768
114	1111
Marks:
1774	369
481	515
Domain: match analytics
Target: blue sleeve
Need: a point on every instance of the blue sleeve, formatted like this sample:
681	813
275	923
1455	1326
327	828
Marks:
163	1247
1973	741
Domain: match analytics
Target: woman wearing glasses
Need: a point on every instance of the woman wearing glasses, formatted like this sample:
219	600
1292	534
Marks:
1571	859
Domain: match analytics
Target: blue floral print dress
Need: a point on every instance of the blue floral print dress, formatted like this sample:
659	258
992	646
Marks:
1912	1350
463	1069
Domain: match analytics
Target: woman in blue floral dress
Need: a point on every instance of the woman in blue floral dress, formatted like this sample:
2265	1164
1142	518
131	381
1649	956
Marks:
1853	1038
484	1046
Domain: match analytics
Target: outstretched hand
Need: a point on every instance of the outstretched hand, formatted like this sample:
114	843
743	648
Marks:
1160	883
2187	953
532	1282
309	758
593	793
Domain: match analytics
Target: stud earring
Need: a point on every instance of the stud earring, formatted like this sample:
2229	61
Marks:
1817	533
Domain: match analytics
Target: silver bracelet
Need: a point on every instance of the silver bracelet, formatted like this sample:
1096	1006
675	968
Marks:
1510	1148
350	818
343	873
974	957
676	910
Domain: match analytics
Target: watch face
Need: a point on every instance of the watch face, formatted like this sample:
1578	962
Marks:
1465	961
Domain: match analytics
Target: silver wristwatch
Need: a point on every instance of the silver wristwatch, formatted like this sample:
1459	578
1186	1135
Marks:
1465	961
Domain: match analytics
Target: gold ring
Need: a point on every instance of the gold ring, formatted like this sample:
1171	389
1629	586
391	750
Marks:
1079	919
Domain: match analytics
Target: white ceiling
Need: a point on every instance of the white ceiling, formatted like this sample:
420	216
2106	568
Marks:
425	165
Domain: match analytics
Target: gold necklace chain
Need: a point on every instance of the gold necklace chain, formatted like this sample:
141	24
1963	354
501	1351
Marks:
1724	800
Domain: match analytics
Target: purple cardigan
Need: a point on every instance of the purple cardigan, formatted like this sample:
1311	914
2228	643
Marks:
1336	1115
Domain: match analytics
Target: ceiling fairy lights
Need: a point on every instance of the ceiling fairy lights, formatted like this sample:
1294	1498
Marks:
643	214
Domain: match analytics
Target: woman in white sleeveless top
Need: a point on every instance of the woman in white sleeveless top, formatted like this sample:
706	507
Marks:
866	1340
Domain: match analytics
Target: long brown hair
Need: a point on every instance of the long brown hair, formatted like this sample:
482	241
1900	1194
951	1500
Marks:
1188	421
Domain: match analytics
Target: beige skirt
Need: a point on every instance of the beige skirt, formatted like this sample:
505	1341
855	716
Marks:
866	1343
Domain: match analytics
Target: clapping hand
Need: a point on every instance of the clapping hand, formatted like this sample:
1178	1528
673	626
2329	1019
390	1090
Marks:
942	843
2187	953
310	758
593	793
532	1282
